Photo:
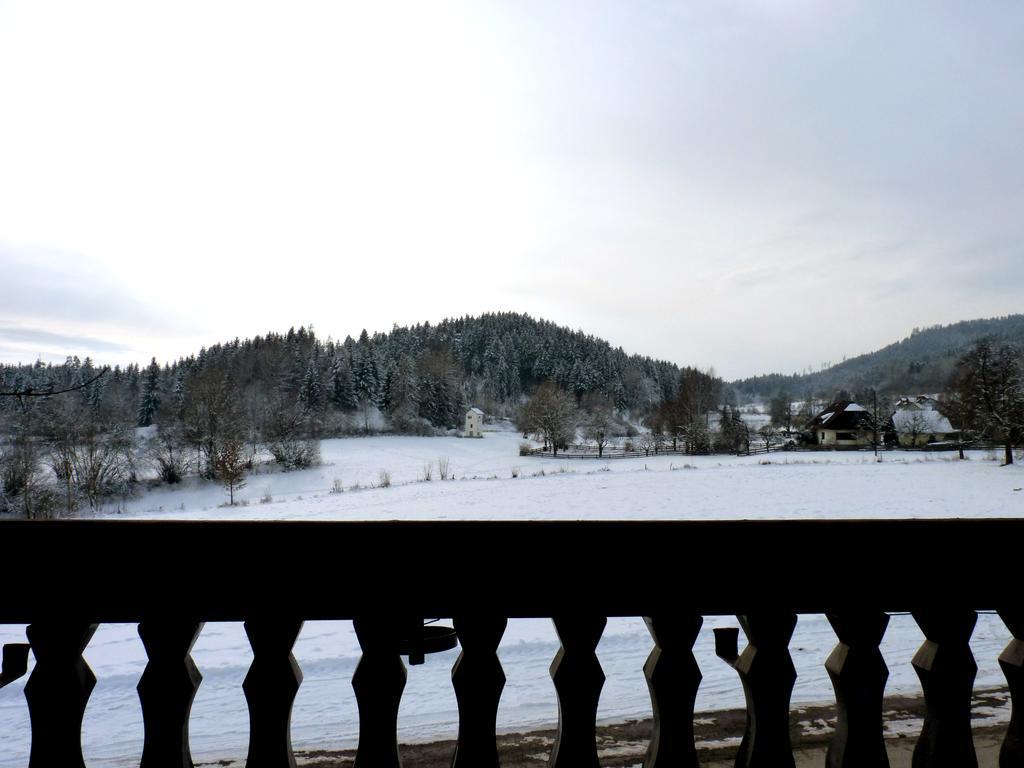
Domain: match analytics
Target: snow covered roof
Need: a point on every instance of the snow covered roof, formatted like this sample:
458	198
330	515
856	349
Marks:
842	415
476	411
918	403
925	421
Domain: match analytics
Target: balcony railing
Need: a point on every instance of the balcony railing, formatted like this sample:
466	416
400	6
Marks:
171	577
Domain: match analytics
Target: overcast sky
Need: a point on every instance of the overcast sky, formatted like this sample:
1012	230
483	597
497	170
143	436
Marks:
752	185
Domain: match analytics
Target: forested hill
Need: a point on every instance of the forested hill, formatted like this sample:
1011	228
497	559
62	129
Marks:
922	362
417	376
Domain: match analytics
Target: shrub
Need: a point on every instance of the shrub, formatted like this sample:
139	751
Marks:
291	453
169	456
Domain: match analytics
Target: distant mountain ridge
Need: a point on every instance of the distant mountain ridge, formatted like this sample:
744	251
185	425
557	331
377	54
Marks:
921	362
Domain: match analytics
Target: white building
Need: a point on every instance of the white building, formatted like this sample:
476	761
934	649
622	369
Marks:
918	422
474	423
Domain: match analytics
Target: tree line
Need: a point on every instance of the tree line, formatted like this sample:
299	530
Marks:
982	395
212	413
699	417
924	361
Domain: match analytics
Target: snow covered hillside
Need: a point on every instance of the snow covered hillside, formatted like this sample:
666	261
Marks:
781	485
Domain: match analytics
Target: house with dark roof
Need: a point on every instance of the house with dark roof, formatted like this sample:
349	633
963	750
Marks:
842	425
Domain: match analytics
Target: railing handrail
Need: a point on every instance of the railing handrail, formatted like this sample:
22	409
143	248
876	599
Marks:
113	570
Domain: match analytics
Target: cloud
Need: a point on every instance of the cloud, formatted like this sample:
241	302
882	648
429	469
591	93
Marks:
46	287
37	337
769	276
691	178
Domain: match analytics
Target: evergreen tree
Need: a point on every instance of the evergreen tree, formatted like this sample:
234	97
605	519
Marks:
732	432
403	390
367	376
309	391
342	384
149	400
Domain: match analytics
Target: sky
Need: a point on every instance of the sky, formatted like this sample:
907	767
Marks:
751	186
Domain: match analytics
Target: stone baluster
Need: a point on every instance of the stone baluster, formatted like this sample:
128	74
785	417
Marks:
672	678
378	682
270	688
57	691
858	674
478	680
578	680
947	669
767	673
1011	754
166	691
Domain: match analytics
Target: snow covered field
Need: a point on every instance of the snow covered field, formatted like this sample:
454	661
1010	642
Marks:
781	485
794	485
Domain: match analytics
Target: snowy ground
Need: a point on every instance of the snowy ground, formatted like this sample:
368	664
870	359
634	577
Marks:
789	485
795	485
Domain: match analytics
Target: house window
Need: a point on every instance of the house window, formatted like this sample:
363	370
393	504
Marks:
846	436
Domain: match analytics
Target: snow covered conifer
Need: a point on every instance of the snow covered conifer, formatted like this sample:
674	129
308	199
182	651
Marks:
309	391
367	376
149	400
342	384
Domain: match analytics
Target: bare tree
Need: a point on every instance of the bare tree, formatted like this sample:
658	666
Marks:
229	465
910	425
286	440
768	433
698	394
166	451
104	463
988	393
600	427
550	415
211	415
23	489
648	442
688	414
80	455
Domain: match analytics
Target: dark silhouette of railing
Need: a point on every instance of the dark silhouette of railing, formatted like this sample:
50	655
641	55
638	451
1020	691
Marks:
170	577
